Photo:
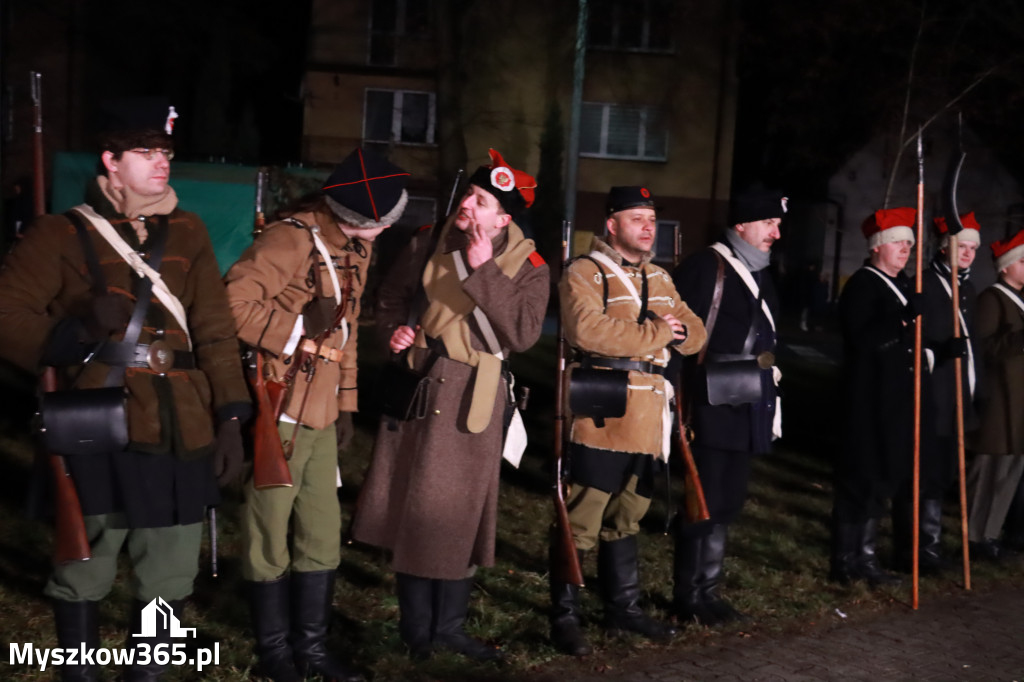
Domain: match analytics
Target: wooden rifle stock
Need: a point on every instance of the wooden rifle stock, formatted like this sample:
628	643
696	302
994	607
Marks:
565	566
38	162
70	542
695	505
269	466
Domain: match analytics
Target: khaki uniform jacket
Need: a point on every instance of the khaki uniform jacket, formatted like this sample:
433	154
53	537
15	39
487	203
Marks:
45	280
614	332
269	286
999	331
431	493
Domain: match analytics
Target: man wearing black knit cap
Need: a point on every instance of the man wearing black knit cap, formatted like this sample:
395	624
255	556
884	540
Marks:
731	387
295	297
478	291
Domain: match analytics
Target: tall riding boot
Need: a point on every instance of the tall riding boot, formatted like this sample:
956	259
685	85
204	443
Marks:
269	609
618	573
845	566
712	573
931	561
687	603
152	671
451	605
415	613
77	624
870	569
902	534
312	595
566	618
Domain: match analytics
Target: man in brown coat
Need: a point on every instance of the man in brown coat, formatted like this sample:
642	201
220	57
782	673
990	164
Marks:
295	296
70	299
431	493
997	468
620	312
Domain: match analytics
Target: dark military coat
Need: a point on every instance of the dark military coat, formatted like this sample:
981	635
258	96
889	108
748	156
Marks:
1000	331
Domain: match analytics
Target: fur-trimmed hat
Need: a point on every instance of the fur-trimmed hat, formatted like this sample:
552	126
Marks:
756	203
366	190
888	225
626	197
970	233
129	122
1006	253
512	188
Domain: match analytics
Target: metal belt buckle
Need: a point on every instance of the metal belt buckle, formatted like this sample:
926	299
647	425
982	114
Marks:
160	357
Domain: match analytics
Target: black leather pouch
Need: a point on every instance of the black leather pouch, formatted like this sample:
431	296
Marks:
84	421
598	393
733	382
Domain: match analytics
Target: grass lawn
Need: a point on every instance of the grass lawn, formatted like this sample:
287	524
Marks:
776	565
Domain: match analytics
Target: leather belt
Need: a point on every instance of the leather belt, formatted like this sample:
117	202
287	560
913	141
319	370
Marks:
157	356
328	354
764	359
622	363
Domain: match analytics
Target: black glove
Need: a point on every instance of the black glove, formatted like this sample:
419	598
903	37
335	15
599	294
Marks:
344	430
228	452
914	307
109	313
955	348
318	315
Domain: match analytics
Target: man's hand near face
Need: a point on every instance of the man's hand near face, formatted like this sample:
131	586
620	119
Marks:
479	250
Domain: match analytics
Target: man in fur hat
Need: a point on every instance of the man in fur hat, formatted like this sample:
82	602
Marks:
479	291
76	302
620	312
295	297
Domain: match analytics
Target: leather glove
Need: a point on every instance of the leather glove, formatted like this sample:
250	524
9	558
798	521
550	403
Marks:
344	430
956	348
228	452
318	315
914	307
108	313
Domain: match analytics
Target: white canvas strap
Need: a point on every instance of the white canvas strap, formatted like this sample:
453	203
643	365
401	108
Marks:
888	282
1010	294
318	242
485	325
747	278
621	274
971	379
141	268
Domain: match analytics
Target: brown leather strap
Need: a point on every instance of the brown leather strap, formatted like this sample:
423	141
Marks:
329	354
716	303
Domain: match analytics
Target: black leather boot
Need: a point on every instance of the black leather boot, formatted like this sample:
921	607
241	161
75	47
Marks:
930	561
867	560
618	573
269	610
77	624
415	613
152	671
687	604
845	565
312	594
451	605
566	618
712	573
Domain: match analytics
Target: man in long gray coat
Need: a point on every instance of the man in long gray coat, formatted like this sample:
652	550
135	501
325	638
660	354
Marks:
431	493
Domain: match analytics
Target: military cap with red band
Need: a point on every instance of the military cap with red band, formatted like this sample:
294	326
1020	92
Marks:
1006	253
623	198
366	190
889	225
512	188
970	233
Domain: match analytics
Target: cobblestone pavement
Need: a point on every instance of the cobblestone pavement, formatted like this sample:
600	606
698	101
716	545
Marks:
966	637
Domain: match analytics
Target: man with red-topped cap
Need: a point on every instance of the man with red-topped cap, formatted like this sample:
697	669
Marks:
999	442
463	297
295	297
876	311
939	458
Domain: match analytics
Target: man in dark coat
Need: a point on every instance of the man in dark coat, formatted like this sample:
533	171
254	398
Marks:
183	377
999	442
431	493
876	313
939	458
728	285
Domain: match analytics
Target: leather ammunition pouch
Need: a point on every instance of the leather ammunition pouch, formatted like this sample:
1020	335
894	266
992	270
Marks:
598	393
84	421
734	381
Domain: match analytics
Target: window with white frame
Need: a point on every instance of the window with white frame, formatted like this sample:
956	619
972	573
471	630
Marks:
639	25
391	19
401	116
613	131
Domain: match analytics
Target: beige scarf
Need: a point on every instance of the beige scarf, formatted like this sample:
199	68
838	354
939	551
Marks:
132	205
446	318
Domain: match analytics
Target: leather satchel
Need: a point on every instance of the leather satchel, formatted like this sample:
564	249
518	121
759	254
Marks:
733	382
598	393
88	421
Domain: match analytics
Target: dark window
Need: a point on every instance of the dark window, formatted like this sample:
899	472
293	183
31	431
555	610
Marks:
392	19
620	132
642	25
401	116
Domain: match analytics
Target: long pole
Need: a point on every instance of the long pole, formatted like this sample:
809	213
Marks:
916	520
573	152
39	182
954	257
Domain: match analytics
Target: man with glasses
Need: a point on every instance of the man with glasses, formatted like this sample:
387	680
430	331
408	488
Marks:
71	298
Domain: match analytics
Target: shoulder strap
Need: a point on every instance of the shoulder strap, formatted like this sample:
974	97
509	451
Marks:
716	303
99	282
604	281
